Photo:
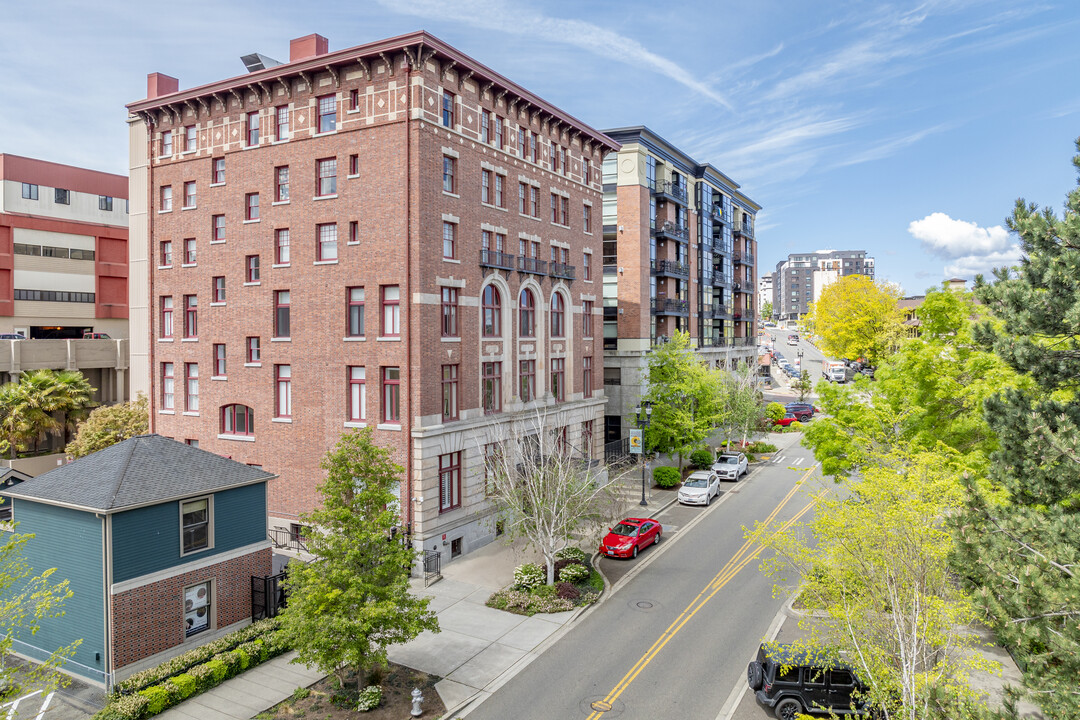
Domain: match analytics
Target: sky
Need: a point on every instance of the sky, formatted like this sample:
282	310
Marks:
906	129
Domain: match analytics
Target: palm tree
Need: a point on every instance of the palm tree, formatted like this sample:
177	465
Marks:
75	398
27	408
41	399
22	418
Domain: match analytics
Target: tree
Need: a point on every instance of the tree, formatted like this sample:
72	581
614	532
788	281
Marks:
109	425
874	569
545	491
1017	542
30	405
741	409
26	600
856	317
353	601
775	411
686	396
803	384
766	310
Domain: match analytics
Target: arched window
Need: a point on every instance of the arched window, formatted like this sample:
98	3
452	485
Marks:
527	323
237	420
491	306
558	316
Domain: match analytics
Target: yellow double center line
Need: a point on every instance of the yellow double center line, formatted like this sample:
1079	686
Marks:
746	554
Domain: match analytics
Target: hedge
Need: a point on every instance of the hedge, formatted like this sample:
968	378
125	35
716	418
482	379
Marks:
701	459
666	476
178	679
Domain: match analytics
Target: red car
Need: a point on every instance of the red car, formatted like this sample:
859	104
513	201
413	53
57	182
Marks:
629	536
786	420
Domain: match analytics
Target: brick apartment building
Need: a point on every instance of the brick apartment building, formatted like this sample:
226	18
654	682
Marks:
679	254
799	280
63	271
391	235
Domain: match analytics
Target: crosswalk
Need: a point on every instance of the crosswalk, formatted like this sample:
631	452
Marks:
788	460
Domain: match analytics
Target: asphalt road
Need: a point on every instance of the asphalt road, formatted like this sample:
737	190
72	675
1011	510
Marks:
812	357
672	637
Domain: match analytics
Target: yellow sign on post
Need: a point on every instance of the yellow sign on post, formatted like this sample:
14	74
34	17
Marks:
635	442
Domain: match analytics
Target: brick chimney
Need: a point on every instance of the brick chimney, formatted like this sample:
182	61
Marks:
308	46
158	84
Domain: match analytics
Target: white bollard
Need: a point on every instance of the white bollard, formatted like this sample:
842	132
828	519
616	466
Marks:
417	697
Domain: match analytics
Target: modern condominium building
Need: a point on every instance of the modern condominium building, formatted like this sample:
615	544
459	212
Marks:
799	280
390	236
679	254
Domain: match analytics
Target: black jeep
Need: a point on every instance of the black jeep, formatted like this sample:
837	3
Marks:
791	680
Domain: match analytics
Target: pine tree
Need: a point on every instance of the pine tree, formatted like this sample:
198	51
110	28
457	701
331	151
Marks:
1018	545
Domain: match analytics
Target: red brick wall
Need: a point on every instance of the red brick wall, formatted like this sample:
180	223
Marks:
150	619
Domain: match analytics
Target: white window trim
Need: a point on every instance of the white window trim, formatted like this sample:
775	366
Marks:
210	525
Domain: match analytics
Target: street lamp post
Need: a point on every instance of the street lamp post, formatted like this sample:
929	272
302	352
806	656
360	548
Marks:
644	413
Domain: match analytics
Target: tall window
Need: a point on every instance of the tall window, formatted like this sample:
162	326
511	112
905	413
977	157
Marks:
168	387
191	391
357	393
558	316
326	241
523	143
354	164
354	99
449	312
251	269
253	128
189	194
166	316
254	350
283	390
586	167
500	191
449	392
219	170
586	218
586	376
449	240
449	481
190	251
523	202
485	186
218	285
237	420
527	379
251	206
166	198
448	109
534	201
491	304
449	168
217	226
220	360
326	177
327	113
564	211
558	378
534	146
555	160
191	138
391	395
499	133
281	246
354	232
485	126
281	184
281	314
491	386
586	318
391	311
354	323
166	144
586	266
526	314
166	253
191	316
282	116
195	518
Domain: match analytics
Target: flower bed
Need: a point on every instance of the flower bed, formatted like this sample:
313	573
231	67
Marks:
577	584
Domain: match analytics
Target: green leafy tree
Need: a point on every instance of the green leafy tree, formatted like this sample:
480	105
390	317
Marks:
741	402
353	602
766	310
856	317
775	411
110	424
1019	553
28	408
803	385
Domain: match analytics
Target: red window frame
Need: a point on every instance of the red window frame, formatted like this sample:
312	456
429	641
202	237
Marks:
450	392
586	266
168	386
282	256
166	253
166	199
217	286
281	118
281	183
354	232
238	420
586	170
448	109
191	316
221	360
586	376
391	310
357	400
354	312
449	481
253	128
190	251
166	143
354	164
191	138
251	268
558	379
218	172
491	312
217	227
189	193
558	316
326	245
326	177
586	218
191	387
251	206
282	313
449	312
449	240
327	105
526	313
354	99
283	391
491	387
166	316
527	380
449	171
391	394
253	349
586	318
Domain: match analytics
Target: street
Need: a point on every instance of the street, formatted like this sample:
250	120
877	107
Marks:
673	635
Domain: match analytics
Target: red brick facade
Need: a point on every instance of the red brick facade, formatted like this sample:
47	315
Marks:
150	619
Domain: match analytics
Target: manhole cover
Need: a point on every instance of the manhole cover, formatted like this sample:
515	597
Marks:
601	705
644	604
612	710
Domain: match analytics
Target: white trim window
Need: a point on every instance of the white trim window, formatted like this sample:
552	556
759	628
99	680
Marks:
196	525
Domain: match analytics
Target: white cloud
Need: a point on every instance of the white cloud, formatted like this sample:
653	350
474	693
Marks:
971	265
949	238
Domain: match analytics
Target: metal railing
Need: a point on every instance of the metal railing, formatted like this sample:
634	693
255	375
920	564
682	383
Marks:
716	310
496	259
670	307
531	265
562	270
675	232
744	228
268	596
719	214
671	267
285	539
669	189
432	566
743	258
617	452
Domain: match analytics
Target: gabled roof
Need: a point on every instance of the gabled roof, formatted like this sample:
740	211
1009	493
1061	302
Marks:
143	470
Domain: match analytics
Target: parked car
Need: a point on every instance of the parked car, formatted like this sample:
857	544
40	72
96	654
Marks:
786	420
868	371
87	335
791	370
803	411
630	536
730	466
791	680
699	488
11	336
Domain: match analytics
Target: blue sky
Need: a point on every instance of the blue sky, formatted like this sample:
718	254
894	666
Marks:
904	128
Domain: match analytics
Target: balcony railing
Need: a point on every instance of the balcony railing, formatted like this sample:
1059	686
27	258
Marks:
670	307
670	191
743	258
716	310
716	341
744	228
672	231
496	259
531	265
719	214
719	278
562	270
671	267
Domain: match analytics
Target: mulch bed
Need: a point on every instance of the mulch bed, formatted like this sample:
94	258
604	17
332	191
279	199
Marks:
325	701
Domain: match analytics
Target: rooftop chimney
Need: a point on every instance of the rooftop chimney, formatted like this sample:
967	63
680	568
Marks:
158	84
308	46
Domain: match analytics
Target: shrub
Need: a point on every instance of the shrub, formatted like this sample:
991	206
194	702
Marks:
219	670
129	707
572	553
795	426
528	576
560	564
701	459
761	447
187	684
566	591
369	698
524	603
666	476
300	693
775	411
157	697
543	591
573	574
204	676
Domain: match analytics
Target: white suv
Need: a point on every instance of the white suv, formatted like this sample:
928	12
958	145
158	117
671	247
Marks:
699	488
730	466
